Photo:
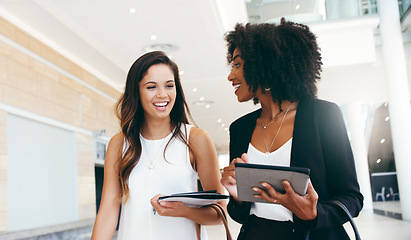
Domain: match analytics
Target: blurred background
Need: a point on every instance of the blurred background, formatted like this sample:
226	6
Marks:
63	65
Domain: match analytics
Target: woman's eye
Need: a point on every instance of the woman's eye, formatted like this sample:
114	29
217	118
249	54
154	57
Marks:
151	87
170	86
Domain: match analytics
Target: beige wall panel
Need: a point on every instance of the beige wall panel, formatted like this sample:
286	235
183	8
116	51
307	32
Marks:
21	58
87	211
85	173
65	96
34	45
22	78
3	118
3	158
86	193
48	53
30	85
7	29
22	38
3	190
17	98
51	110
5	49
90	79
3	221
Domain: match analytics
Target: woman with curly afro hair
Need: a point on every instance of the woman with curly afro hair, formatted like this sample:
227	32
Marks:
278	66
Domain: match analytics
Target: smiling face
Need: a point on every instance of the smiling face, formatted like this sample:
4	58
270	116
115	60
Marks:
158	92
236	76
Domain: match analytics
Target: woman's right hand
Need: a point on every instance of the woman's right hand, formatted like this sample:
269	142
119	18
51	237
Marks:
228	176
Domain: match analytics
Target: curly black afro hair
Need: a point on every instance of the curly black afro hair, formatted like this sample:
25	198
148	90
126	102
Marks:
284	58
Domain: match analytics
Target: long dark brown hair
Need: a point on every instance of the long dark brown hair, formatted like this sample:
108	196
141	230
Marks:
131	114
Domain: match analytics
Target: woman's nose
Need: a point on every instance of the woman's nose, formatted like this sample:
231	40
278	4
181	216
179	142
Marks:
231	76
161	93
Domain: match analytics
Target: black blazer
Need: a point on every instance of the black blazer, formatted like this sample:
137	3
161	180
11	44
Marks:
320	143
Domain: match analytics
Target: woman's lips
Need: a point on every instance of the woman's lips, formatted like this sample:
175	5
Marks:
162	106
236	87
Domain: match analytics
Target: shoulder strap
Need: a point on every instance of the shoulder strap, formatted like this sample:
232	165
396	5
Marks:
354	227
223	217
344	208
219	209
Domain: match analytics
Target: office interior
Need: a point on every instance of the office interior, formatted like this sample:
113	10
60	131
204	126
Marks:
63	66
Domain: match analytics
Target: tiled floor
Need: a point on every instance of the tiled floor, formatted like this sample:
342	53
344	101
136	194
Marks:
370	225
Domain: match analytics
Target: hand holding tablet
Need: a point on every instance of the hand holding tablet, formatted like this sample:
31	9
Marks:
251	175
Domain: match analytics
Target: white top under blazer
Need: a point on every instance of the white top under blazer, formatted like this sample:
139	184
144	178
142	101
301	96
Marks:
174	174
280	157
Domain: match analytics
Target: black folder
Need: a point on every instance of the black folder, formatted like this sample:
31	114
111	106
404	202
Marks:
251	175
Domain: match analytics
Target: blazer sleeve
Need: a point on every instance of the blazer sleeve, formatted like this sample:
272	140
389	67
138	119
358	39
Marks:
238	213
340	175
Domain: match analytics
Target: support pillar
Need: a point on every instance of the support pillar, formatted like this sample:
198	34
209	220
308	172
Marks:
357	139
398	97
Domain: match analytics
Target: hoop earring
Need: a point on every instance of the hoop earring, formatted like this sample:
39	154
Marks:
267	89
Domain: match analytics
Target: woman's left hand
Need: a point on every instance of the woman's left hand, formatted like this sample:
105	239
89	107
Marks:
171	209
304	207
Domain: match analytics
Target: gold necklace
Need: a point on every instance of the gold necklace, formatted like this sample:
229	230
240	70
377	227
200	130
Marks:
265	126
262	131
156	152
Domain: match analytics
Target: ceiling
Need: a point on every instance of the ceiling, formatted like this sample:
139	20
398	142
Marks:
106	36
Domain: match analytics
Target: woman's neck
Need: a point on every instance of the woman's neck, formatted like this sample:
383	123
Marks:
271	109
155	129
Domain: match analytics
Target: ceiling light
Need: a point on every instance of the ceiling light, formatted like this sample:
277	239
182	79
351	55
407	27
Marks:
219	120
195	89
225	129
132	10
202	99
165	47
378	160
387	118
208	106
297	7
181	72
382	140
386	104
203	103
153	37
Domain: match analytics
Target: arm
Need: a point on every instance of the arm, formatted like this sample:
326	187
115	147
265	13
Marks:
340	171
238	211
207	164
107	217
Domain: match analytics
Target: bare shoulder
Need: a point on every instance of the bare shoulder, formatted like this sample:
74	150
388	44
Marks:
116	142
198	136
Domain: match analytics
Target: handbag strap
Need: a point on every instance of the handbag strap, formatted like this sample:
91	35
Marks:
354	227
344	208
219	209
222	215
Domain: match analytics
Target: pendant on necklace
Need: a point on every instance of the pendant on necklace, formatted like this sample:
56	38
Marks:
267	152
265	127
151	166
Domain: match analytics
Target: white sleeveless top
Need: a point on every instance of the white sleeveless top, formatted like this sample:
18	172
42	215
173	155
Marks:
280	157
174	174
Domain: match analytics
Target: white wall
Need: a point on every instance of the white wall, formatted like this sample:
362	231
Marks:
41	179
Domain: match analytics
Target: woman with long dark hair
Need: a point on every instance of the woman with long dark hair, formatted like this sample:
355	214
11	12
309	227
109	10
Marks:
157	152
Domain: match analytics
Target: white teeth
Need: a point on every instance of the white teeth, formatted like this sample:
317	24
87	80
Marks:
236	86
162	104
